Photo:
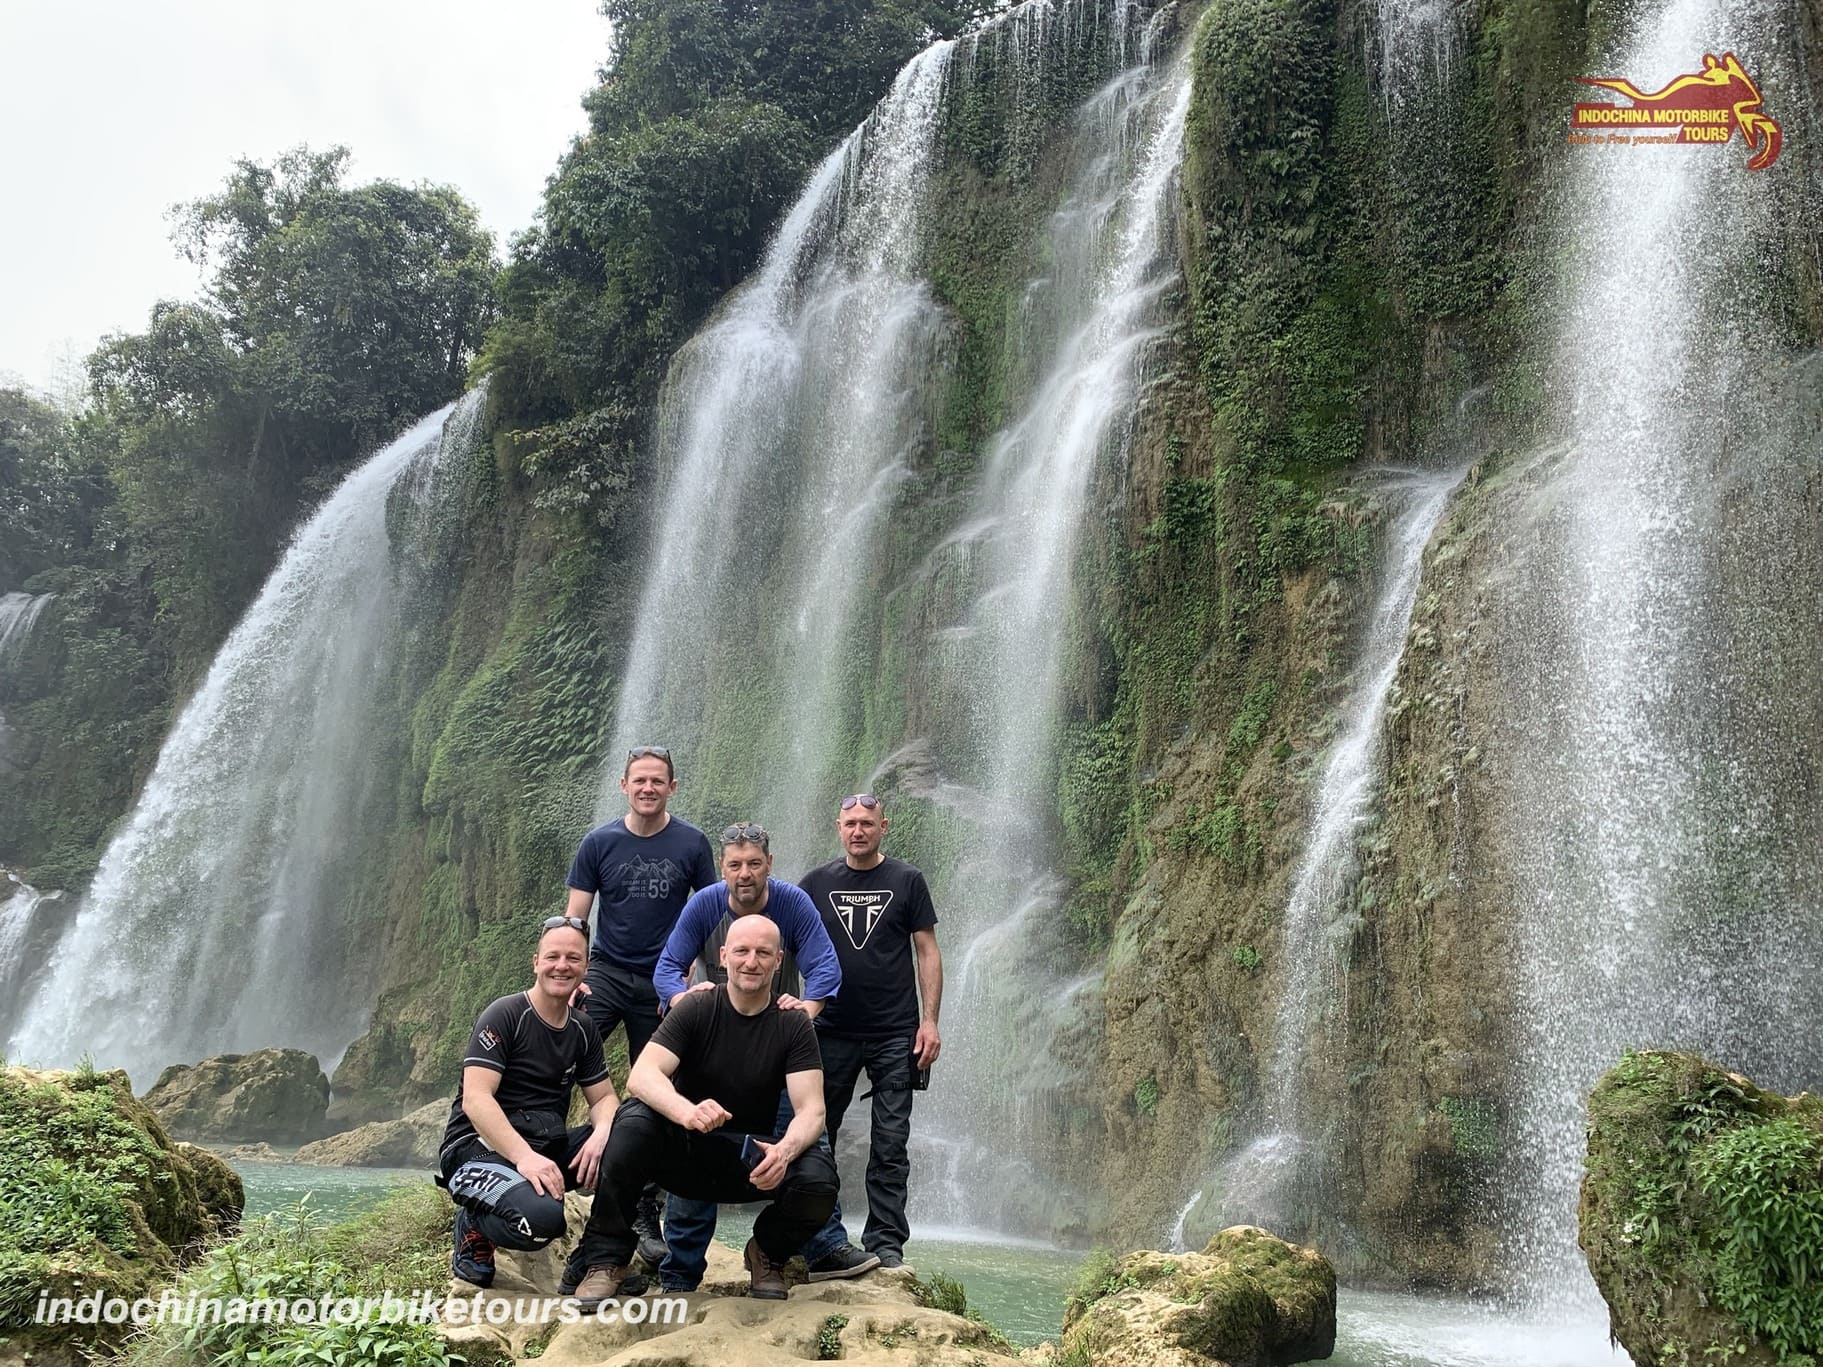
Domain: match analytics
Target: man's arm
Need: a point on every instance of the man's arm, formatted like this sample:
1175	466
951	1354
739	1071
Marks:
482	1108
602	1102
579	904
802	931
650	1081
671	977
929	1043
806	1091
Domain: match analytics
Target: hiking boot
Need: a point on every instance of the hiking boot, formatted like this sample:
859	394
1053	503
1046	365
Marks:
472	1261
573	1271
601	1281
765	1278
652	1249
846	1261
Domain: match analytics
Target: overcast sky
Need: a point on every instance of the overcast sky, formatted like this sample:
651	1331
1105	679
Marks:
115	110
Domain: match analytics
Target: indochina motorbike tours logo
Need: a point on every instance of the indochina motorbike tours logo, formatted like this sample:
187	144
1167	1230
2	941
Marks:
1706	106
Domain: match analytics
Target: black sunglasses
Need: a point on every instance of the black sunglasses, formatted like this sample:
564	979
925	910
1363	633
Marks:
746	833
573	922
867	800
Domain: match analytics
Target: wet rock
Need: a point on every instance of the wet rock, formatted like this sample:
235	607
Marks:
278	1095
1248	1299
408	1143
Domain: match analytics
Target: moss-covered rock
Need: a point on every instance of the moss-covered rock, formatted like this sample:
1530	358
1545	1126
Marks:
278	1095
97	1199
1702	1213
1247	1300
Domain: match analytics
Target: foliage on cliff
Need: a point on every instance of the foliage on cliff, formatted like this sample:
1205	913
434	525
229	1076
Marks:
1702	1213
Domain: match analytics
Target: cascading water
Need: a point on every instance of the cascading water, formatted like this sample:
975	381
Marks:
1088	324
1266	1182
786	427
1661	797
18	614
214	922
30	922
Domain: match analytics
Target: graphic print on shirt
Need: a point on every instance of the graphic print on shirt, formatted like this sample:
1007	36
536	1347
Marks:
860	912
649	878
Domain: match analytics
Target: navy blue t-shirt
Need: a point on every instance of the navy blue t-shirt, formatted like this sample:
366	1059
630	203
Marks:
643	883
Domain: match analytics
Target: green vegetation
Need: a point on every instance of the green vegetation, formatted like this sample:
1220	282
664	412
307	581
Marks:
1702	1213
1145	1096
399	1246
99	1199
829	1338
1474	1127
942	1292
1247	959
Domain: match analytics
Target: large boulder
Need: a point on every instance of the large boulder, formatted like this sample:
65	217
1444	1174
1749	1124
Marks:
98	1200
1248	1299
882	1318
1702	1213
278	1095
408	1143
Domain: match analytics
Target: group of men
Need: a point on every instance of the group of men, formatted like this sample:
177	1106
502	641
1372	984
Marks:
738	1083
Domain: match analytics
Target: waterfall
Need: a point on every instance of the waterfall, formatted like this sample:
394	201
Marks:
214	921
1109	266
785	428
1661	783
30	922
18	614
1265	1182
791	425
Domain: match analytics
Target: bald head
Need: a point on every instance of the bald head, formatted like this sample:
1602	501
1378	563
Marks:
751	956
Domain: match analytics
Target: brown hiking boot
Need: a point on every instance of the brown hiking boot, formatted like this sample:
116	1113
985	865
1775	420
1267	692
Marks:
765	1278
601	1281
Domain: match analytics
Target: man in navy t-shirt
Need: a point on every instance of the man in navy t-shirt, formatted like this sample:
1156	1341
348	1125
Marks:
879	916
643	868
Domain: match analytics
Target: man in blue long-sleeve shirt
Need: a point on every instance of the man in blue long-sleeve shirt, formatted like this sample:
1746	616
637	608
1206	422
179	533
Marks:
747	888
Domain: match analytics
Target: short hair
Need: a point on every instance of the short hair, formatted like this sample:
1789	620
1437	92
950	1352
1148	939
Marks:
747	833
650	752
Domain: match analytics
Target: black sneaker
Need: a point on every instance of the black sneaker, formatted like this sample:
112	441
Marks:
472	1261
891	1258
846	1261
574	1269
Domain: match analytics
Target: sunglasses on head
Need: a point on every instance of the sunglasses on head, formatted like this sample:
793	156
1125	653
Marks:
648	752
867	800
745	833
573	922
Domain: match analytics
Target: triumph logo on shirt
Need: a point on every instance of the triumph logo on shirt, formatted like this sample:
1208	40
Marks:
859	913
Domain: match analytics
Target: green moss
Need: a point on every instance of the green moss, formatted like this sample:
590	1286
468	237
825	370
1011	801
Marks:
1145	1096
1702	1212
1473	1126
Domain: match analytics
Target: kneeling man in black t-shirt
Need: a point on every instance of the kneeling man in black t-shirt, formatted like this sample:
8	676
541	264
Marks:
508	1151
702	1099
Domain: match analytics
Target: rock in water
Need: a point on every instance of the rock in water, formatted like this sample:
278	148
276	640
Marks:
408	1143
1702	1213
1248	1299
276	1095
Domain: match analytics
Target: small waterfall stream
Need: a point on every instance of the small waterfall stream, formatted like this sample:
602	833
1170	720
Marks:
212	923
1265	1182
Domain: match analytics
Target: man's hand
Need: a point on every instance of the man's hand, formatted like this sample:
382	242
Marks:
707	1115
787	1002
582	990
770	1170
694	987
588	1159
544	1175
927	1045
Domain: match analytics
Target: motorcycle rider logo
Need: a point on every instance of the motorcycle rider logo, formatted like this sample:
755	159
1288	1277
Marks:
859	913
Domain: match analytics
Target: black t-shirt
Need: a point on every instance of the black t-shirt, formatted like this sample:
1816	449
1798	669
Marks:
537	1065
870	915
740	1061
643	882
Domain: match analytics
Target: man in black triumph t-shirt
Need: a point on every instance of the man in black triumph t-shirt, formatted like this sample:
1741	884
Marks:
878	913
508	1149
702	1104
